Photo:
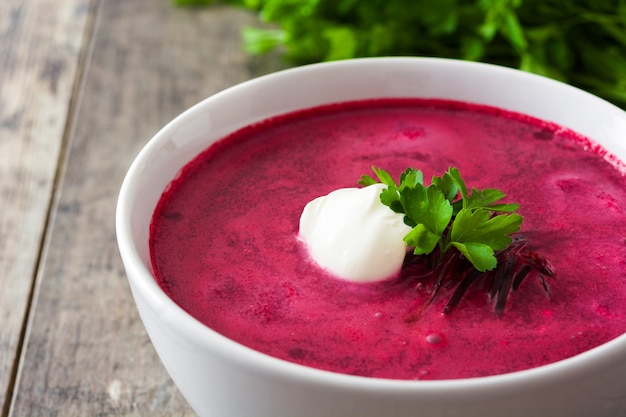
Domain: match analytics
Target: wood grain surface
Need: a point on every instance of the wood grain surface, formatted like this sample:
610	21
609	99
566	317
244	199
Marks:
40	46
85	352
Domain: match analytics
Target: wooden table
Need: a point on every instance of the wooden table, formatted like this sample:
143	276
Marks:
83	85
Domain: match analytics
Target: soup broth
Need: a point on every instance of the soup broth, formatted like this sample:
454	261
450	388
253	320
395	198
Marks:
224	241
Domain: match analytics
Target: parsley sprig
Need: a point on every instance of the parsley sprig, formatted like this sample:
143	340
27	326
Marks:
445	215
460	237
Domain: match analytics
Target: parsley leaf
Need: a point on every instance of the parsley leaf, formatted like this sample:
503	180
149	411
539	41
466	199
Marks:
480	255
428	211
476	234
447	185
481	227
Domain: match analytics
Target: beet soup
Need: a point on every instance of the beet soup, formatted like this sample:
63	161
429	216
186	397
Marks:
224	240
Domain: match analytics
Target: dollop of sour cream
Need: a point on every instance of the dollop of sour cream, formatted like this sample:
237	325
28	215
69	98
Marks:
351	234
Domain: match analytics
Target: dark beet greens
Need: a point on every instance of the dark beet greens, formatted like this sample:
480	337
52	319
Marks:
452	270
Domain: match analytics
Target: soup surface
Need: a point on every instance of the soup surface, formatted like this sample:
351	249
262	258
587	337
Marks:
224	241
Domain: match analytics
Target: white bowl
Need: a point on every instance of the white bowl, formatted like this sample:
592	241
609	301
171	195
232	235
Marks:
222	378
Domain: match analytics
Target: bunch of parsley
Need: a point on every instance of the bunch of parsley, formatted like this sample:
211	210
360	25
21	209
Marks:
581	42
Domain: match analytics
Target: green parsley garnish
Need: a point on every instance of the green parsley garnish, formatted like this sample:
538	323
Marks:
473	224
460	237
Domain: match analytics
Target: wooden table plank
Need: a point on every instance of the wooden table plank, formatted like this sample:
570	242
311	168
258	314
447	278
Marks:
86	351
40	45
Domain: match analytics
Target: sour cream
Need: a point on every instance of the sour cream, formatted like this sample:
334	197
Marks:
350	233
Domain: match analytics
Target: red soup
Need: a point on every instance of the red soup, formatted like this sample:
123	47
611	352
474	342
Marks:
224	241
